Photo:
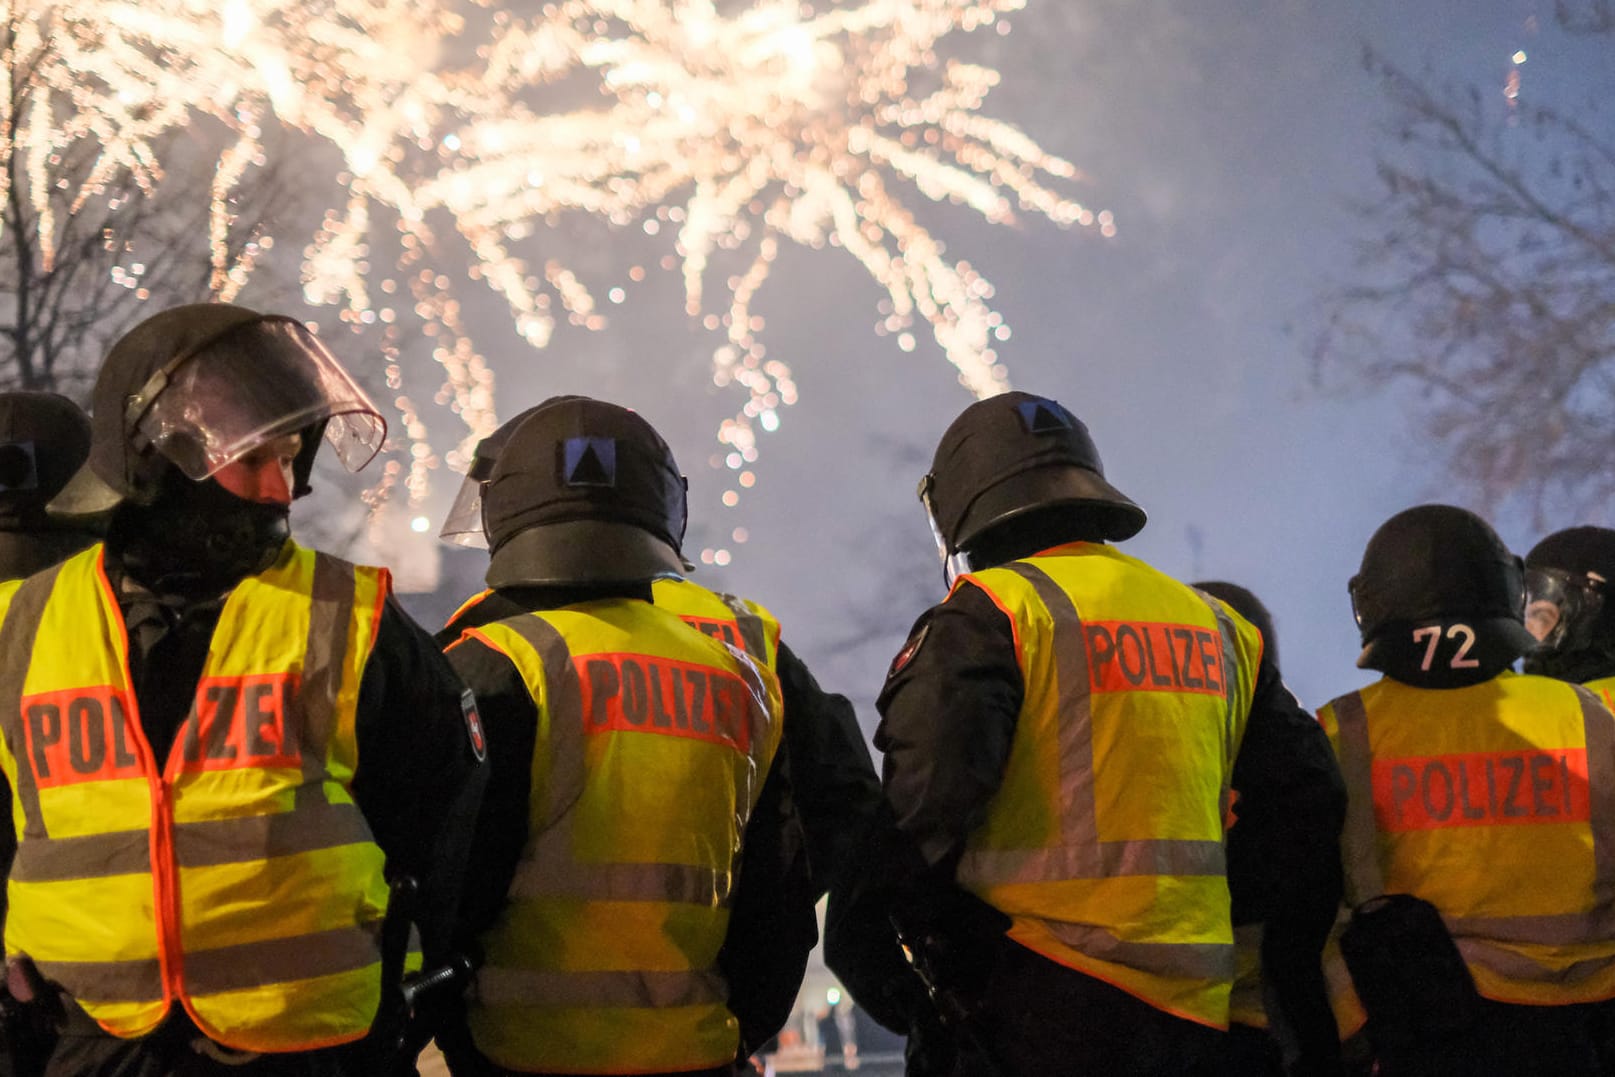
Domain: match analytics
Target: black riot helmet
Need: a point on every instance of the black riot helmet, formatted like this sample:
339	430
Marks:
1247	605
1570	605
582	492
1438	565
196	387
44	439
464	525
1011	455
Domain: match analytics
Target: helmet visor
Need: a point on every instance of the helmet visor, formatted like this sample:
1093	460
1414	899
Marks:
955	563
1556	602
248	387
463	526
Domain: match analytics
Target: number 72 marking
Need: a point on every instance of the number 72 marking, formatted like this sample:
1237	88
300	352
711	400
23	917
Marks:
1432	633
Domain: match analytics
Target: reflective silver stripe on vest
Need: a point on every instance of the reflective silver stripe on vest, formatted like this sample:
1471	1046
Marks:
1598	728
16	654
1205	960
325	655
106	981
259	837
564	701
1359	841
749	625
88	856
560	877
551	869
1518	967
628	990
1083	855
298	957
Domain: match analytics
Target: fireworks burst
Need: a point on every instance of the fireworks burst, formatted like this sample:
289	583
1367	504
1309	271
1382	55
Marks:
733	128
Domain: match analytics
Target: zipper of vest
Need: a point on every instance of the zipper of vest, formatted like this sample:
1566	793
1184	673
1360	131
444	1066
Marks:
165	874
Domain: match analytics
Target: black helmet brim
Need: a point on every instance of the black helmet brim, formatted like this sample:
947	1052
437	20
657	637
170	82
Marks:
582	551
1040	488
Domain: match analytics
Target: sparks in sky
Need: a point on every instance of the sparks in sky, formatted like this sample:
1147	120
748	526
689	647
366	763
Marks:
731	129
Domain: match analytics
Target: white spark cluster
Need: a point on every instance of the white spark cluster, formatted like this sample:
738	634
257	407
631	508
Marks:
729	128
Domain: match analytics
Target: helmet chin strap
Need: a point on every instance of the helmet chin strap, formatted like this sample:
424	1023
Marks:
197	538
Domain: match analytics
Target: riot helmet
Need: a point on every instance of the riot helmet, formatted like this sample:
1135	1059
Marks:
1007	457
197	387
583	491
1567	586
1437	565
44	439
463	526
1247	605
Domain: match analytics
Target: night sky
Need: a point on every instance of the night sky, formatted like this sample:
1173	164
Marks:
1229	141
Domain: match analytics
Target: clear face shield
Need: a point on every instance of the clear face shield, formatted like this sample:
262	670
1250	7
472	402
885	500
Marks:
250	386
1559	603
954	564
464	525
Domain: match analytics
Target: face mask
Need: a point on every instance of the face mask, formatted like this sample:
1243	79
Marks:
197	537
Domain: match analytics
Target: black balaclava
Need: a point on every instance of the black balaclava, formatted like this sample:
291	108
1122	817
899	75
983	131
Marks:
196	539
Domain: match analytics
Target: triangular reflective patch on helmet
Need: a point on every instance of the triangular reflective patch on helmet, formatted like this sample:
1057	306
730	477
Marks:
589	462
1043	416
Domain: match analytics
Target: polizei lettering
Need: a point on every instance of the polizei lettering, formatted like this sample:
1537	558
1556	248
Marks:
240	722
79	735
719	630
636	693
1149	656
1482	789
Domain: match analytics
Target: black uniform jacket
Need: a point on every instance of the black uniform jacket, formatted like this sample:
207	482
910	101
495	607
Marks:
772	926
418	780
949	710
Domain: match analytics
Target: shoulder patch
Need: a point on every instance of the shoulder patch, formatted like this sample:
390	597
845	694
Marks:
473	725
910	649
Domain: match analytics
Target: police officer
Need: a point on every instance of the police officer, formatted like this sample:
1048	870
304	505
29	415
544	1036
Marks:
220	744
1487	795
1061	737
833	783
635	763
1567	579
44	438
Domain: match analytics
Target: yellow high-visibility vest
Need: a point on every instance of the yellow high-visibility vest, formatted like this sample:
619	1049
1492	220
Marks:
739	622
651	750
1495	803
237	878
1104	844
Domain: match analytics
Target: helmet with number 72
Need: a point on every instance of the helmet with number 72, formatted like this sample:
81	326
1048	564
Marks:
1437	563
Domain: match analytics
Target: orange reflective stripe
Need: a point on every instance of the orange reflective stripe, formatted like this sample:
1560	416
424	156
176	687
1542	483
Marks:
1359	841
467	606
655	990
